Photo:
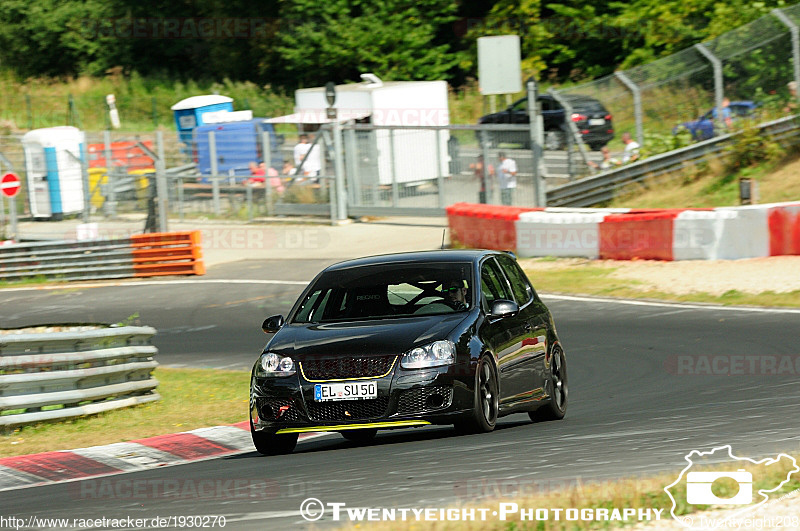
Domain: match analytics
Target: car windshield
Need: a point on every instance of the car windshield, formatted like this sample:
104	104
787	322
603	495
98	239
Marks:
386	291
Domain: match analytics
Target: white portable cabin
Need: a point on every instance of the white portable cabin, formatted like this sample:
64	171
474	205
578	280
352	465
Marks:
386	104
53	165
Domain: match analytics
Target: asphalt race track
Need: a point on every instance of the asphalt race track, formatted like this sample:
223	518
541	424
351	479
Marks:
648	383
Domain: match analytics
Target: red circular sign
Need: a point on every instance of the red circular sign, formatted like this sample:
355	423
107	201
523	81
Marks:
9	184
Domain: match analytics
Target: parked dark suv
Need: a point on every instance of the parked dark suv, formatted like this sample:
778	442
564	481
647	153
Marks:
593	121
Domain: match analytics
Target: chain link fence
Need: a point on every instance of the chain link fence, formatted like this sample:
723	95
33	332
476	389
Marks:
754	63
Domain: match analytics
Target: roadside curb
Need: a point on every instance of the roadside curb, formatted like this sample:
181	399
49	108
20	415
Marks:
35	470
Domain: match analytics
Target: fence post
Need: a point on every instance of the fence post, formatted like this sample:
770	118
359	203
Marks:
573	129
161	184
212	151
154	111
637	104
354	191
266	151
718	88
395	188
338	169
795	31
488	185
536	147
85	178
30	110
110	205
2	202
439	176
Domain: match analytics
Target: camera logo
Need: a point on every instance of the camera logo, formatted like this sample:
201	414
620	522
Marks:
698	488
732	486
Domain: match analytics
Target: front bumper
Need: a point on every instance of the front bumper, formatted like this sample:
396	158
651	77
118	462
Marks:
405	398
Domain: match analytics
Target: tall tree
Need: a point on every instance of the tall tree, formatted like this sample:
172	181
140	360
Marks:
336	40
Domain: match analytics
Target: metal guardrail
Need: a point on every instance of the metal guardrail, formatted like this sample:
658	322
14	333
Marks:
141	255
67	260
60	375
604	187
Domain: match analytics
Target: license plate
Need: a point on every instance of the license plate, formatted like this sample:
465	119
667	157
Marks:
597	121
345	391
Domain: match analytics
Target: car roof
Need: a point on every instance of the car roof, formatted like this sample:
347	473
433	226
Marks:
444	255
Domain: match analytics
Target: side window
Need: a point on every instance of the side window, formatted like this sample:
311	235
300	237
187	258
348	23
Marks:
522	289
493	284
521	105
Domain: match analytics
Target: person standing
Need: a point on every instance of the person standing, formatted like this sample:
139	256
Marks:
507	178
726	113
631	153
304	150
477	167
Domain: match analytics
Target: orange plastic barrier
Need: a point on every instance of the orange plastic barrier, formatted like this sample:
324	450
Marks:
167	253
784	230
645	236
485	226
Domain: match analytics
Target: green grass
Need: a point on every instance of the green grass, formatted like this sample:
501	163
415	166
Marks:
599	281
191	398
634	493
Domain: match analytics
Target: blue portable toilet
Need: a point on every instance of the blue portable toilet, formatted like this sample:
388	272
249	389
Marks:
238	144
189	113
53	158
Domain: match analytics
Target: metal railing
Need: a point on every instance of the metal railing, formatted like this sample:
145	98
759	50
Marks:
605	186
142	255
60	375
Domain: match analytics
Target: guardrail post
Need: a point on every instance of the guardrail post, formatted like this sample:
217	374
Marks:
637	104
161	184
266	151
718	88
795	32
110	205
212	150
395	188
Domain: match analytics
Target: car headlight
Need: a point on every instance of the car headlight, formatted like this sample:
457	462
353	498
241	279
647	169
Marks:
431	355
272	364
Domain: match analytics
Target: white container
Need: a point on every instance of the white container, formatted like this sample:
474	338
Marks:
53	165
386	104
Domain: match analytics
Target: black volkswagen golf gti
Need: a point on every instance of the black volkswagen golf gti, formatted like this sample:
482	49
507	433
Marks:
437	337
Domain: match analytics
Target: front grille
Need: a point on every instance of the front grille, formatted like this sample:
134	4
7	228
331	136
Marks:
424	399
346	367
348	409
269	409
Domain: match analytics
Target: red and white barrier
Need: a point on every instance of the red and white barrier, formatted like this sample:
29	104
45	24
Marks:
629	234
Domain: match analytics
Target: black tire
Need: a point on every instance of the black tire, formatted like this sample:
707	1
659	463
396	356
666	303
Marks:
267	444
556	407
364	435
486	402
596	147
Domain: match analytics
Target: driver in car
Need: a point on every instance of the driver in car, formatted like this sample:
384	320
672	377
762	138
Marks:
455	294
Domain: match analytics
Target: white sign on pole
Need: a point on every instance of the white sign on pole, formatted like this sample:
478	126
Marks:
499	70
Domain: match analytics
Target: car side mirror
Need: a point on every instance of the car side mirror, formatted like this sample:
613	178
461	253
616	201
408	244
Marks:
502	308
272	324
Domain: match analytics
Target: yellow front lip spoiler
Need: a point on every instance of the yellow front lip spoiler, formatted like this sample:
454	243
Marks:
343	427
